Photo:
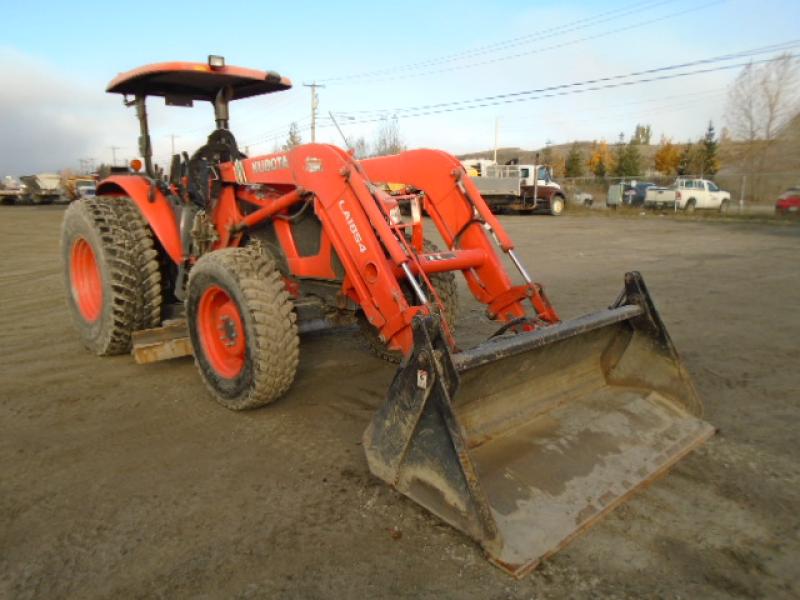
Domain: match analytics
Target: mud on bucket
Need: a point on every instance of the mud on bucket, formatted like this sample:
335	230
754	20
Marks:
526	441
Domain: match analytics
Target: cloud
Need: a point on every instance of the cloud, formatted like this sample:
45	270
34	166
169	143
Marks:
49	121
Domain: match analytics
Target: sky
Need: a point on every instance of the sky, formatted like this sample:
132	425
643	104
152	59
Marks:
376	60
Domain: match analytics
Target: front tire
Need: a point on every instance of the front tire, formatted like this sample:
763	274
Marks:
723	207
556	206
99	276
242	328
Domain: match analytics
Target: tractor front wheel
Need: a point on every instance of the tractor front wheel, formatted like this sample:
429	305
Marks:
242	327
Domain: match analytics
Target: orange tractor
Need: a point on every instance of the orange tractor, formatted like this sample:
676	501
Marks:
520	442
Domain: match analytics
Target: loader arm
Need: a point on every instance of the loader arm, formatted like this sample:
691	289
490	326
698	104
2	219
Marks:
354	221
463	219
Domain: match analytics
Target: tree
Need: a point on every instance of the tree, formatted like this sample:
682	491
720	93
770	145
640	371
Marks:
388	140
628	160
667	157
761	101
547	153
574	163
558	161
685	163
294	138
642	135
360	148
708	150
600	161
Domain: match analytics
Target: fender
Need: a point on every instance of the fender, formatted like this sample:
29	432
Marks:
158	213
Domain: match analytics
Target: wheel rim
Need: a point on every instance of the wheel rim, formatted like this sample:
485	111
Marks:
87	284
219	325
558	206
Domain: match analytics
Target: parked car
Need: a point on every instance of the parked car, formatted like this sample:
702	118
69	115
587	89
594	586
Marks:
788	202
688	195
635	192
631	193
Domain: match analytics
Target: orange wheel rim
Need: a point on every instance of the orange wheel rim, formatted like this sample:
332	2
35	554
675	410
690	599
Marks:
87	284
219	326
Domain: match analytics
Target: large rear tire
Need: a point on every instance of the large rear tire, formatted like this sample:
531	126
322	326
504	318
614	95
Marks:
149	294
242	327
445	286
99	275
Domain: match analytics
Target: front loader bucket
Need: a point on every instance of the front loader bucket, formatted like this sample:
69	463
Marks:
525	441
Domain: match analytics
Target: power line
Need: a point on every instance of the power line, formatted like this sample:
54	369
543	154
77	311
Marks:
615	31
378	114
512	42
565	92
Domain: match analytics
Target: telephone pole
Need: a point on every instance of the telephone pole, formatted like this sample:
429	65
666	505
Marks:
314	106
172	137
114	155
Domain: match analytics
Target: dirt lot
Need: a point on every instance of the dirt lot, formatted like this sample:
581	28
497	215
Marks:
118	480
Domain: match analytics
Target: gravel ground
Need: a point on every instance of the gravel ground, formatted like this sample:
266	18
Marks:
118	480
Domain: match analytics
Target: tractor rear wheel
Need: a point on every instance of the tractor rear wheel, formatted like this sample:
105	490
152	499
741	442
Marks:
445	285
149	294
100	275
243	327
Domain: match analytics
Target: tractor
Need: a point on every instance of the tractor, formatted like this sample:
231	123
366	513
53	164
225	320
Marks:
521	442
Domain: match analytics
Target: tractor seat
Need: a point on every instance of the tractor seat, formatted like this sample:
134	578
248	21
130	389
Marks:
221	147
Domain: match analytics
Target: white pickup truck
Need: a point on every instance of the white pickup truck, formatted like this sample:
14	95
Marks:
688	195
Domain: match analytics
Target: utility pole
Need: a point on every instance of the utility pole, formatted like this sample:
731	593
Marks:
496	128
114	155
314	106
172	137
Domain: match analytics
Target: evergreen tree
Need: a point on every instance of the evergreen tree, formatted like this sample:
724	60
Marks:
574	163
708	155
629	160
294	138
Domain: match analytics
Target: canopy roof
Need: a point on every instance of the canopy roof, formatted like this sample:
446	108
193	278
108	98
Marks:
196	81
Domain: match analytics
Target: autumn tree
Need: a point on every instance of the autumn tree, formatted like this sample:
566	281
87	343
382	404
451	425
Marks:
547	153
667	157
388	139
600	161
686	160
558	161
574	163
294	138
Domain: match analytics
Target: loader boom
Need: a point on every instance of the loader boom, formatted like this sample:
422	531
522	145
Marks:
356	221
